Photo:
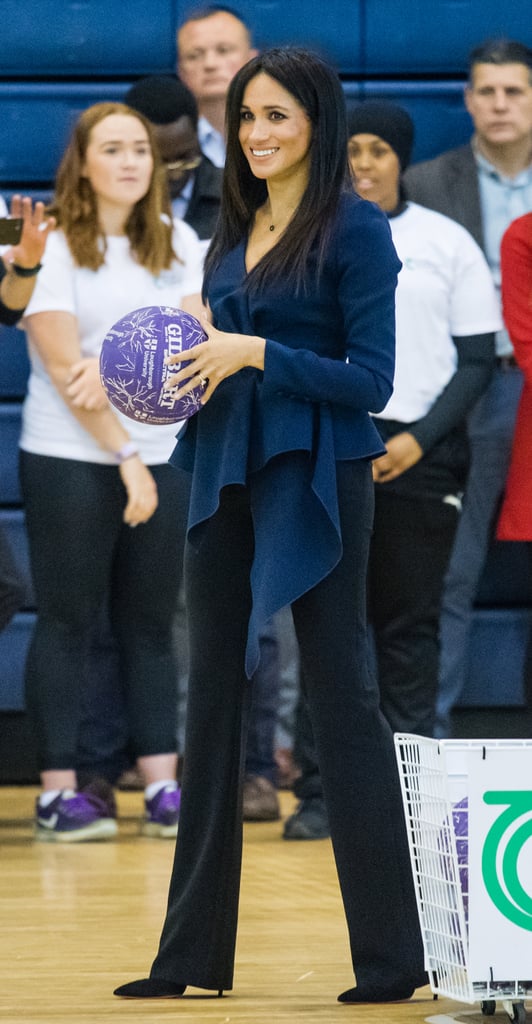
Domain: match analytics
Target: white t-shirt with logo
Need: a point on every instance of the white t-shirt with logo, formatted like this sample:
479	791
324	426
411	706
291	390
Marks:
98	299
444	288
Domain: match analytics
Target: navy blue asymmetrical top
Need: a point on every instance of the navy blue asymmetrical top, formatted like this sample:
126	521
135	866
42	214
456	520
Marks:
329	361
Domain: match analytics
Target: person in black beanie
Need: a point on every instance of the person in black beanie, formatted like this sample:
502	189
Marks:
446	315
389	122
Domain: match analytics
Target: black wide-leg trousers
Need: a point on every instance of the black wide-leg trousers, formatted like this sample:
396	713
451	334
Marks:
354	745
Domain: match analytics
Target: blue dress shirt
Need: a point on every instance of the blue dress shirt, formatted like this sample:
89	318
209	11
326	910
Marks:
502	200
212	142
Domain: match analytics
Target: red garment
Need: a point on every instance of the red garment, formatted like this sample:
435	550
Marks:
515	522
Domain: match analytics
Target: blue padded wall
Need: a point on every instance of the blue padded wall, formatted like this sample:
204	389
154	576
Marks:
14	364
10	433
363	37
105	37
497	658
44	195
13	529
14	643
425	37
505	581
36	120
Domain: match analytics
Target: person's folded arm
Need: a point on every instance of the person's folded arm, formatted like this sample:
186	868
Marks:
476	359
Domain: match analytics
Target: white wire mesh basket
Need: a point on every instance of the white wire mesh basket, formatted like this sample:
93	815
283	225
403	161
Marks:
436	781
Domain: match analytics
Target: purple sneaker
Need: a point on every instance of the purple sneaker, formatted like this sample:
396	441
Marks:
74	818
162	812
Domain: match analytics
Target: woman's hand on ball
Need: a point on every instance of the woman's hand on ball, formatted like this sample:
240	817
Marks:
141	489
213	360
84	387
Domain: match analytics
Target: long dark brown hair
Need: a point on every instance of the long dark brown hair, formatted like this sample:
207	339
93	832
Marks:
75	206
317	88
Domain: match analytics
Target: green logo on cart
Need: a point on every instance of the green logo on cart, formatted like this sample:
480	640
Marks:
504	842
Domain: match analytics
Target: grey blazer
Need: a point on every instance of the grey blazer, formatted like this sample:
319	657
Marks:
449	185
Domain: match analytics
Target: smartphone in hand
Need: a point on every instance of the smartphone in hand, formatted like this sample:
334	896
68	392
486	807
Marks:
10	230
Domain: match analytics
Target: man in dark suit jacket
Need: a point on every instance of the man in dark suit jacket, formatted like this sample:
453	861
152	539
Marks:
449	184
484	186
202	209
195	183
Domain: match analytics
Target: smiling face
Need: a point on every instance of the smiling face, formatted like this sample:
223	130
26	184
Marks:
376	168
275	132
210	52
119	161
499	100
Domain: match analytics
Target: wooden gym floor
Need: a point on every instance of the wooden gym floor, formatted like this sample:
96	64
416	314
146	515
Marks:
78	920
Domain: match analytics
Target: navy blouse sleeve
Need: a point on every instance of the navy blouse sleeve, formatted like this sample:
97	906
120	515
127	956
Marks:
362	276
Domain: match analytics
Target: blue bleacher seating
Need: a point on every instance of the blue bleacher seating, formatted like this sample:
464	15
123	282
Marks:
424	39
498	650
505	583
10	433
14	643
36	122
13	530
42	195
14	364
103	37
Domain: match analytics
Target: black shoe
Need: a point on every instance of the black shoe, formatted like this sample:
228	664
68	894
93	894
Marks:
391	993
152	988
309	821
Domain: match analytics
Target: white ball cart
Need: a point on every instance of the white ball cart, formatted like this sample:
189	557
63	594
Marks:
468	809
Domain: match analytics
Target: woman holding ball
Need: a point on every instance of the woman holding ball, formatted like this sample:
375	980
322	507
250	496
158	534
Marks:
300	280
104	511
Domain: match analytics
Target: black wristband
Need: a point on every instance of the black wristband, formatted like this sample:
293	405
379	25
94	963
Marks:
25	271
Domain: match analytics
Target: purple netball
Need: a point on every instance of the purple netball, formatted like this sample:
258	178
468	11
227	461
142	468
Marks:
461	833
132	363
453	847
